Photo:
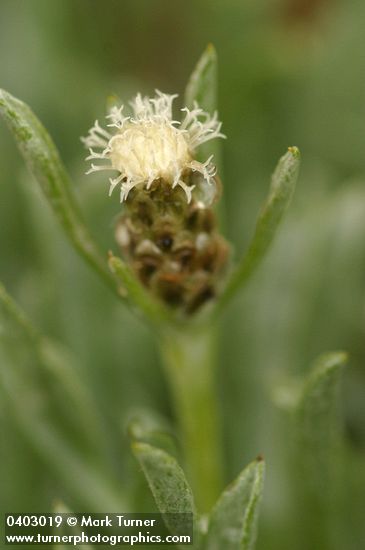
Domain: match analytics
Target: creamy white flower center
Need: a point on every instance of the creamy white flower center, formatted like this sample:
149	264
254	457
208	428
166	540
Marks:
145	152
150	145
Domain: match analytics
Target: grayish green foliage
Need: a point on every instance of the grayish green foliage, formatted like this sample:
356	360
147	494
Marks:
35	378
167	482
316	419
202	85
318	452
234	518
202	88
166	479
233	521
43	161
281	77
49	357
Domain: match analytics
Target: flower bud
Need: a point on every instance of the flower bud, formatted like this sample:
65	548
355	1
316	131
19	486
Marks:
167	232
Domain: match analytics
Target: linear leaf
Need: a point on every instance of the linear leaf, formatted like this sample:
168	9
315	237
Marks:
202	84
202	87
167	482
166	479
233	520
281	191
43	160
316	422
30	370
83	479
21	341
317	468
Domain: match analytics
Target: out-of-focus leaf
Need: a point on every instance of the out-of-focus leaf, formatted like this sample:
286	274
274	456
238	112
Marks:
202	84
54	362
318	486
316	422
202	88
87	483
146	426
43	160
233	520
30	367
167	482
281	191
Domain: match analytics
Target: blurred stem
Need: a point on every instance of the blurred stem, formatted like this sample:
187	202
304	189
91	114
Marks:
190	359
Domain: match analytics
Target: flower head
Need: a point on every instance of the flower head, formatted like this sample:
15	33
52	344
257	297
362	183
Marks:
150	146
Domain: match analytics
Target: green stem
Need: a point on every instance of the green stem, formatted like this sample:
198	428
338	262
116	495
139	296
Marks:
189	358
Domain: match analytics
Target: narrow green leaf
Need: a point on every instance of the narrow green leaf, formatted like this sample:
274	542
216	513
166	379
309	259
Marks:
165	478
132	290
281	191
202	84
233	520
202	87
316	421
32	375
317	468
167	482
43	160
89	485
18	334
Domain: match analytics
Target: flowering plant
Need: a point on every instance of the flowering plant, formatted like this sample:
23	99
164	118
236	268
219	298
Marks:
174	271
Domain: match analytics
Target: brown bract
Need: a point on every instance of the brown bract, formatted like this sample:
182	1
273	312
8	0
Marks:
173	246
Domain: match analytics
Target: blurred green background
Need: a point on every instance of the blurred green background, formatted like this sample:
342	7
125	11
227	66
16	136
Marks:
291	72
